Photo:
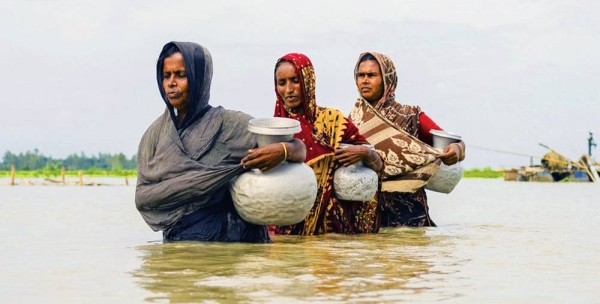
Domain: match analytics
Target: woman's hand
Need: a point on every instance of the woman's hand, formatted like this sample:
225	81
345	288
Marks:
452	154
268	157
353	154
264	158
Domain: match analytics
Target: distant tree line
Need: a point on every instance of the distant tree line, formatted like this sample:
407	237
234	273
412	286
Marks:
33	160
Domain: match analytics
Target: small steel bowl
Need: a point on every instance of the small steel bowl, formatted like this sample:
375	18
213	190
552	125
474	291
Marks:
441	139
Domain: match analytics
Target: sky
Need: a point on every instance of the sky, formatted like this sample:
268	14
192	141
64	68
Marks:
79	76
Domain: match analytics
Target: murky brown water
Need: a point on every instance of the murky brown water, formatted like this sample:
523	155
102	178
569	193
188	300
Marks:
497	242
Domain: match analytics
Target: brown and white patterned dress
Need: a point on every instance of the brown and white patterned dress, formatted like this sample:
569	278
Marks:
393	129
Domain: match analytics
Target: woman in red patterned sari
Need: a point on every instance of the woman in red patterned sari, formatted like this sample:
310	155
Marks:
323	130
409	159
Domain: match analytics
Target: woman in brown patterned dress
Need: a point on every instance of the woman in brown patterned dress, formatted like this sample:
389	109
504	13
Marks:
400	134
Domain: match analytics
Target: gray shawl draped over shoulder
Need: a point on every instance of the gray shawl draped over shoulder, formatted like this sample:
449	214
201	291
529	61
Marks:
183	167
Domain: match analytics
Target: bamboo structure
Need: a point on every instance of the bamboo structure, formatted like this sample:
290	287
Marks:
12	175
80	176
62	175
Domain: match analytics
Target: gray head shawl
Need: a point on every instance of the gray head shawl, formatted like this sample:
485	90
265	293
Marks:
171	179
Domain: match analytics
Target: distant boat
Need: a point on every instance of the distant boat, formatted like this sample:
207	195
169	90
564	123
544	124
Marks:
556	167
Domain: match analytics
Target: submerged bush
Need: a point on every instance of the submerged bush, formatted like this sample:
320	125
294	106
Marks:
482	173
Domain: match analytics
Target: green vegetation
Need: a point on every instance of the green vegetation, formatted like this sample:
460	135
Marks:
34	164
34	161
93	172
482	173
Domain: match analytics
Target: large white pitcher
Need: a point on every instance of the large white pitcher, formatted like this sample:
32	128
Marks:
281	196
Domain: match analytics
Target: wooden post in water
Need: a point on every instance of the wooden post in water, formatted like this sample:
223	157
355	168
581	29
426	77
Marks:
12	175
62	175
126	180
80	175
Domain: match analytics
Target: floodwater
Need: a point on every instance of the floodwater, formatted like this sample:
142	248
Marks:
497	242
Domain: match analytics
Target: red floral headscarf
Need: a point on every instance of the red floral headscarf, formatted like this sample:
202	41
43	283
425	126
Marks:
306	76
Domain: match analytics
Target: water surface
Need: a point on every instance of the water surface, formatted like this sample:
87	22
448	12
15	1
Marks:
497	242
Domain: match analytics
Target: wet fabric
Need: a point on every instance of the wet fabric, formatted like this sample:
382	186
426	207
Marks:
184	169
394	129
216	223
323	130
405	209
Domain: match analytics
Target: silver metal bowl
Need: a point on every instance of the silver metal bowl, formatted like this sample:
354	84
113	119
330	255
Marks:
441	139
273	129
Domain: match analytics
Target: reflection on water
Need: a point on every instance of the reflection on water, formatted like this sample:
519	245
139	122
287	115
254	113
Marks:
324	268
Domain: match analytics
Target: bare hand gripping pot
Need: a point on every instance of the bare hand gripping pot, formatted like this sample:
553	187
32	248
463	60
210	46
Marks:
281	196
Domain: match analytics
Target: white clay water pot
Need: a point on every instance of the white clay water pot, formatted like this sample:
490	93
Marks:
356	182
281	196
446	177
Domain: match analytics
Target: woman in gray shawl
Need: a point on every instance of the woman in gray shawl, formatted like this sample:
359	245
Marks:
189	154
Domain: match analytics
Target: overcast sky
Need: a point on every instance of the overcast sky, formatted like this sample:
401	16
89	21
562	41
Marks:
506	75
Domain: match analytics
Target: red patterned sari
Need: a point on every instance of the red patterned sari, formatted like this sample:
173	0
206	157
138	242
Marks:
323	130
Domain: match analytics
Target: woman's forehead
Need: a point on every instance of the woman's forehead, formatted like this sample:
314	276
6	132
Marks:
368	65
174	60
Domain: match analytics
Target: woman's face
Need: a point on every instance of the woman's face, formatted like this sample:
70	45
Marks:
175	82
288	85
370	81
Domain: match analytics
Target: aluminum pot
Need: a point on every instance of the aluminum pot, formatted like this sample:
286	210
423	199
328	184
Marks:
273	129
441	139
446	177
281	196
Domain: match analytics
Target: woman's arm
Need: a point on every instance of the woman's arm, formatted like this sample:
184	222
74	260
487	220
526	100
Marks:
354	154
427	124
164	186
267	157
373	161
463	147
